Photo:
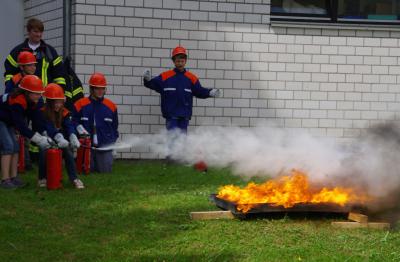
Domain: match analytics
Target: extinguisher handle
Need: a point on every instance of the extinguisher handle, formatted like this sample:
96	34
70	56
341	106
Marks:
52	143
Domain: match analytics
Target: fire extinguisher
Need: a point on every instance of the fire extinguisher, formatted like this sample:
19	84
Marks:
54	168
21	154
79	156
83	156
201	166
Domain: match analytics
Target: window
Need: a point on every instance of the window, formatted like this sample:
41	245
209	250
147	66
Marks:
337	11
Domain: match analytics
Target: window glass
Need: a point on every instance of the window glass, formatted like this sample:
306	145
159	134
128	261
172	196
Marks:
312	7
369	9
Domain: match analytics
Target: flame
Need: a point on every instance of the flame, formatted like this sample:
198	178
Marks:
287	191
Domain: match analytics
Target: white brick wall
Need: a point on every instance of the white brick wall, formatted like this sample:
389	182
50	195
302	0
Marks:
51	13
331	82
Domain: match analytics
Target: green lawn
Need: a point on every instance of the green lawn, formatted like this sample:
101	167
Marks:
141	213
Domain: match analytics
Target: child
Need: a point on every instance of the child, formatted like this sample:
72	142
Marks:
23	103
97	116
58	123
27	64
177	88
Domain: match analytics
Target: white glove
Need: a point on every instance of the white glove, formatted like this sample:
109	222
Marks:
42	141
147	75
81	130
61	141
215	93
74	141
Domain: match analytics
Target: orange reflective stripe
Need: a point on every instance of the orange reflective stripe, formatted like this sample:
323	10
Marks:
167	74
81	103
193	78
19	100
110	104
16	78
65	112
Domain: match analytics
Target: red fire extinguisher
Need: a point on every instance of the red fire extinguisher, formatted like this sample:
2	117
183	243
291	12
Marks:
201	166
21	154
79	156
54	168
83	156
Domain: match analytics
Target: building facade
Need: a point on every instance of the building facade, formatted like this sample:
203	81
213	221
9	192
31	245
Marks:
331	79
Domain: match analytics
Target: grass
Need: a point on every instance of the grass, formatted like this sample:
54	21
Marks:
141	213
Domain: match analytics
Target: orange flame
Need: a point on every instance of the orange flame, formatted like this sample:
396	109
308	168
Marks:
287	191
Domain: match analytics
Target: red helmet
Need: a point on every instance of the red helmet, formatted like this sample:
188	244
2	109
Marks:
178	50
26	58
32	84
98	80
53	91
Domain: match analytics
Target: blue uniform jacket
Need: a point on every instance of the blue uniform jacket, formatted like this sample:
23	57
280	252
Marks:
104	111
17	111
177	90
13	84
67	125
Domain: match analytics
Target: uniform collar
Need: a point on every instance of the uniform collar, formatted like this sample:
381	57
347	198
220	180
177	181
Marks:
179	72
42	44
99	100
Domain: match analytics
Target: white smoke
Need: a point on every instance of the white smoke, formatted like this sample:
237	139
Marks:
371	163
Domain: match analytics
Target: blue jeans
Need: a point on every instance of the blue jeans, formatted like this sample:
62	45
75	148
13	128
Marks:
8	141
101	161
177	123
69	164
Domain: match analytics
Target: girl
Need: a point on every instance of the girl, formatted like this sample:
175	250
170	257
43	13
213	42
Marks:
15	108
98	116
58	123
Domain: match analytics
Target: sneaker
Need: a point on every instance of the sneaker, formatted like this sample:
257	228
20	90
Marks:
7	184
18	182
42	182
78	184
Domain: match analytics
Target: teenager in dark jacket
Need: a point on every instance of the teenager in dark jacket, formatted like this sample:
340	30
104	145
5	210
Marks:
49	67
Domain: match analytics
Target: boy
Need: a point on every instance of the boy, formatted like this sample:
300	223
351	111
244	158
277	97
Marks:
15	108
98	116
27	64
177	88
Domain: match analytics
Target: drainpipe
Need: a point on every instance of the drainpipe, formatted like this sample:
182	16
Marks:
67	28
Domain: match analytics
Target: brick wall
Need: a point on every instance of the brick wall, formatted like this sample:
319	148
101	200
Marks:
331	82
51	13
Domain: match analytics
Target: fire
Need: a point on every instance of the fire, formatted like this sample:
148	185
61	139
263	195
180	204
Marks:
287	191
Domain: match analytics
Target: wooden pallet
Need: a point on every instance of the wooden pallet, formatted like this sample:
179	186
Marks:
207	215
357	220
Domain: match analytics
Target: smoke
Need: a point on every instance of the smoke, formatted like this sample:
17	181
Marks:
370	163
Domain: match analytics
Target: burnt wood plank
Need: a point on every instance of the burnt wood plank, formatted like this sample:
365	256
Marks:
268	208
357	217
206	215
373	225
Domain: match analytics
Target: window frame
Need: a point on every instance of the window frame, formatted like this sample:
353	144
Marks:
330	18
